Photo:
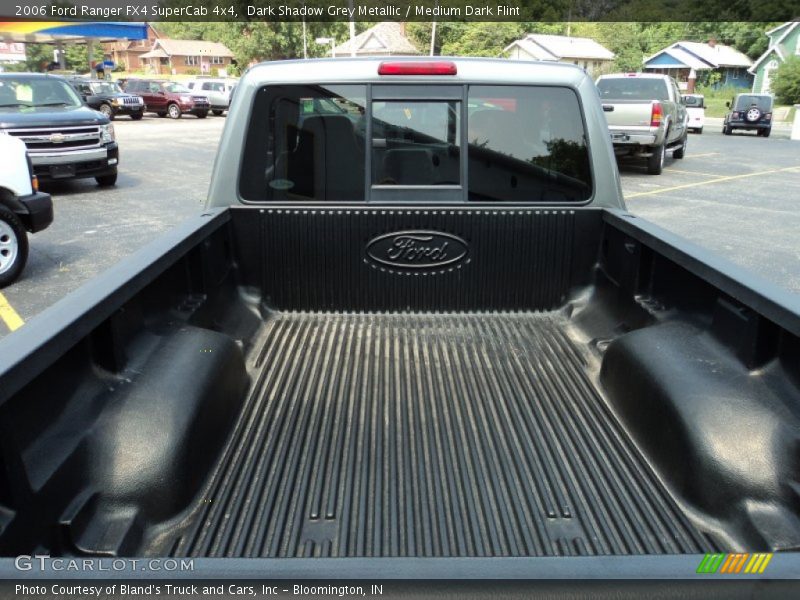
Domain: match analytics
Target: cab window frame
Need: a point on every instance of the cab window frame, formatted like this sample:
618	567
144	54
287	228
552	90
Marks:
432	195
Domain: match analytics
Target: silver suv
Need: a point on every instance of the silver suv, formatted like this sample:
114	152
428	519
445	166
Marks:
218	92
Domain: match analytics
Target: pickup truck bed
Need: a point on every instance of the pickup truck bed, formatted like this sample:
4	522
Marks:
484	412
430	435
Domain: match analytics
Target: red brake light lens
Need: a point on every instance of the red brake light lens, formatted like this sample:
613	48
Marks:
417	68
656	114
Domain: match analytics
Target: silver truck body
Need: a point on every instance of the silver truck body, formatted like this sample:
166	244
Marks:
224	183
629	115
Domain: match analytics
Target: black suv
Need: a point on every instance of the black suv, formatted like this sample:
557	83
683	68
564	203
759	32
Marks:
108	98
751	112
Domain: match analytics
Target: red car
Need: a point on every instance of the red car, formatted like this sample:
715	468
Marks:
168	98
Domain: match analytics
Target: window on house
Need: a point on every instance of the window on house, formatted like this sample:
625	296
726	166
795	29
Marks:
734	73
192	61
217	60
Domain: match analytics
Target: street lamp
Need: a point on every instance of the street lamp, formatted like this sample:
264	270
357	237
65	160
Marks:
328	40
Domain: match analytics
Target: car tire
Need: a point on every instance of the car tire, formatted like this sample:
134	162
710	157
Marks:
766	132
680	152
217	113
107	111
655	162
137	116
726	130
202	115
699	131
13	247
107	180
174	111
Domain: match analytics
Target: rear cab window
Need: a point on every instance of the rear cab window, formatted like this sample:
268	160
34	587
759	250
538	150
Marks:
633	88
376	143
745	101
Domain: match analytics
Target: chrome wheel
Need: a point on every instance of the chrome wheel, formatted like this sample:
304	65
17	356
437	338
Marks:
9	247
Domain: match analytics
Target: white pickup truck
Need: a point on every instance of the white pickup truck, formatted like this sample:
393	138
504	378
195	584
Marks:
23	208
646	115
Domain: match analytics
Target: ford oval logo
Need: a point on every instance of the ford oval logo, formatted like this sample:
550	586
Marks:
417	249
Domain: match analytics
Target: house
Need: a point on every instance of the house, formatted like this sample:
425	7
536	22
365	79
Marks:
584	52
127	53
384	39
682	58
186	57
784	41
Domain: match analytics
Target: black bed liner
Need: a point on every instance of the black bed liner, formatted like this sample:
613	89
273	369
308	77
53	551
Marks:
430	435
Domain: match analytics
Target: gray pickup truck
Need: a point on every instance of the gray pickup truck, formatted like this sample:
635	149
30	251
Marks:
414	334
646	116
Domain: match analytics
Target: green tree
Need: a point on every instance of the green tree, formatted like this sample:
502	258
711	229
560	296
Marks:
786	81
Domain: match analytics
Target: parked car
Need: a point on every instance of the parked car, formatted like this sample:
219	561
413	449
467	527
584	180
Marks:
108	98
696	109
749	112
217	90
646	116
168	98
443	338
23	208
65	138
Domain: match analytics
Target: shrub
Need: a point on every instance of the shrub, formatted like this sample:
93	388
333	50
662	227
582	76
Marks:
786	82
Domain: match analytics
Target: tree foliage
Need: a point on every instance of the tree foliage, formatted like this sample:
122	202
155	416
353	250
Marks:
786	81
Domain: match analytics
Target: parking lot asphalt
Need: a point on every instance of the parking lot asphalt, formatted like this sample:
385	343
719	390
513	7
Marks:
737	195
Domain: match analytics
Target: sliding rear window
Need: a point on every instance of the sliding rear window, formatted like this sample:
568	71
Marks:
526	144
306	143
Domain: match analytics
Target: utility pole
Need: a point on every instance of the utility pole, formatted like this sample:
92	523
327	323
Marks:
305	40
352	32
433	31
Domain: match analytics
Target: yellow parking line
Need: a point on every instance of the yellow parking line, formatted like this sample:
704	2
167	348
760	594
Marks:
716	180
692	173
9	315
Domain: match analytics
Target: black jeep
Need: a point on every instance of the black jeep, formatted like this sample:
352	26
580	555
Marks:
751	112
108	98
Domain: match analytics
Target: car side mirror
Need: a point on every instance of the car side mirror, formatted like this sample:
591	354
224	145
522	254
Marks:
728	104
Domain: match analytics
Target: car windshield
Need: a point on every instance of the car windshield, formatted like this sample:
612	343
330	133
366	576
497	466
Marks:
105	87
175	88
633	88
763	103
22	92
